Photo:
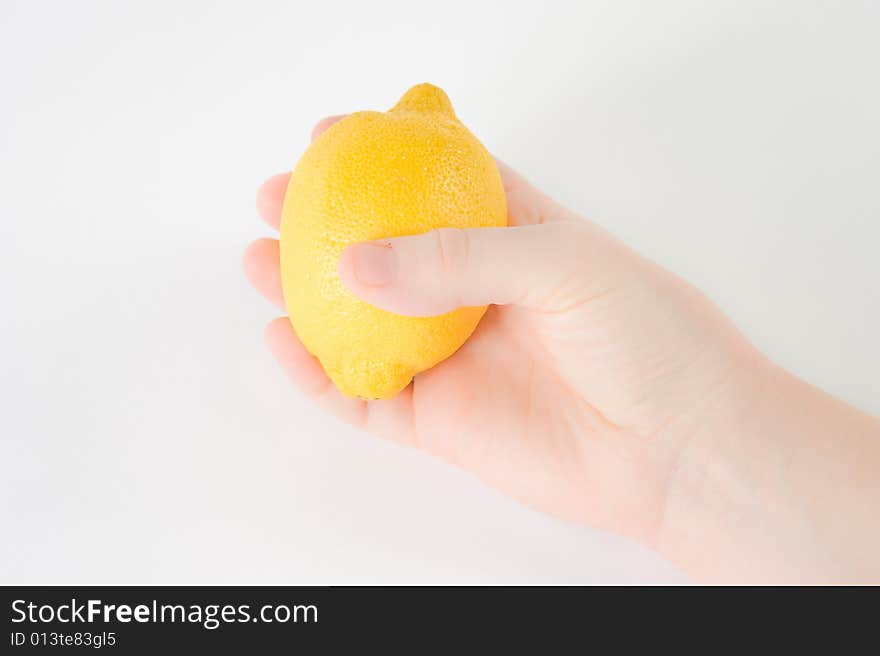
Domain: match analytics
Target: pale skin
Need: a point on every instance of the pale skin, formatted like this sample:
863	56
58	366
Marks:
605	390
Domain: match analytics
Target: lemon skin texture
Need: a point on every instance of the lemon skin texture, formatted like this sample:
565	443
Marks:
371	176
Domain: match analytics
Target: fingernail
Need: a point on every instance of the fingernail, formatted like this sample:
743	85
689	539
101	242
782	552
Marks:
374	264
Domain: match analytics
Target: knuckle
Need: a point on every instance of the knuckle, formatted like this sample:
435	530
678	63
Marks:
452	250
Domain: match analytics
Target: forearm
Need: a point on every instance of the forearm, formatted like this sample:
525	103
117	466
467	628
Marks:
780	483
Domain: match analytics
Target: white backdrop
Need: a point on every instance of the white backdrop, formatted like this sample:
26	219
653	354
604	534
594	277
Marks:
145	433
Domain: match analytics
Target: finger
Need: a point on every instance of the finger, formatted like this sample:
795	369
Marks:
262	268
270	199
325	123
391	419
541	267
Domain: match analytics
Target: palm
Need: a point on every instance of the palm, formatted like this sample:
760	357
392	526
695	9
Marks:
497	409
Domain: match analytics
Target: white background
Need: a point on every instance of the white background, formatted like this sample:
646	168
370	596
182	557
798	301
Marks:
145	433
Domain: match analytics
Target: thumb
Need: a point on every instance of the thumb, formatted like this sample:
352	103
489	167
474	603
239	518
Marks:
438	271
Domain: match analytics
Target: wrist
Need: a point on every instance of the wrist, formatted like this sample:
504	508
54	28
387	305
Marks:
738	507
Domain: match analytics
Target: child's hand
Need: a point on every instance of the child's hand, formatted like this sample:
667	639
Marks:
595	387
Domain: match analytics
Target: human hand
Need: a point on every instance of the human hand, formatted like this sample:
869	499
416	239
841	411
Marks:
582	382
605	390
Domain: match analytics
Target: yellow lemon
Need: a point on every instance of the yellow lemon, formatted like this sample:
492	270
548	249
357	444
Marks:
376	175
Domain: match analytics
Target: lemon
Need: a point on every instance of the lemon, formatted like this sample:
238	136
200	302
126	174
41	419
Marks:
376	175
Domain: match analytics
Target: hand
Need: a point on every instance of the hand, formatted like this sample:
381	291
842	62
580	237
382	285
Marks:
605	390
582	382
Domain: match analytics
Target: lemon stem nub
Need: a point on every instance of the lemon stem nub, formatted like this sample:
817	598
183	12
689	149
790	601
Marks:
425	98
